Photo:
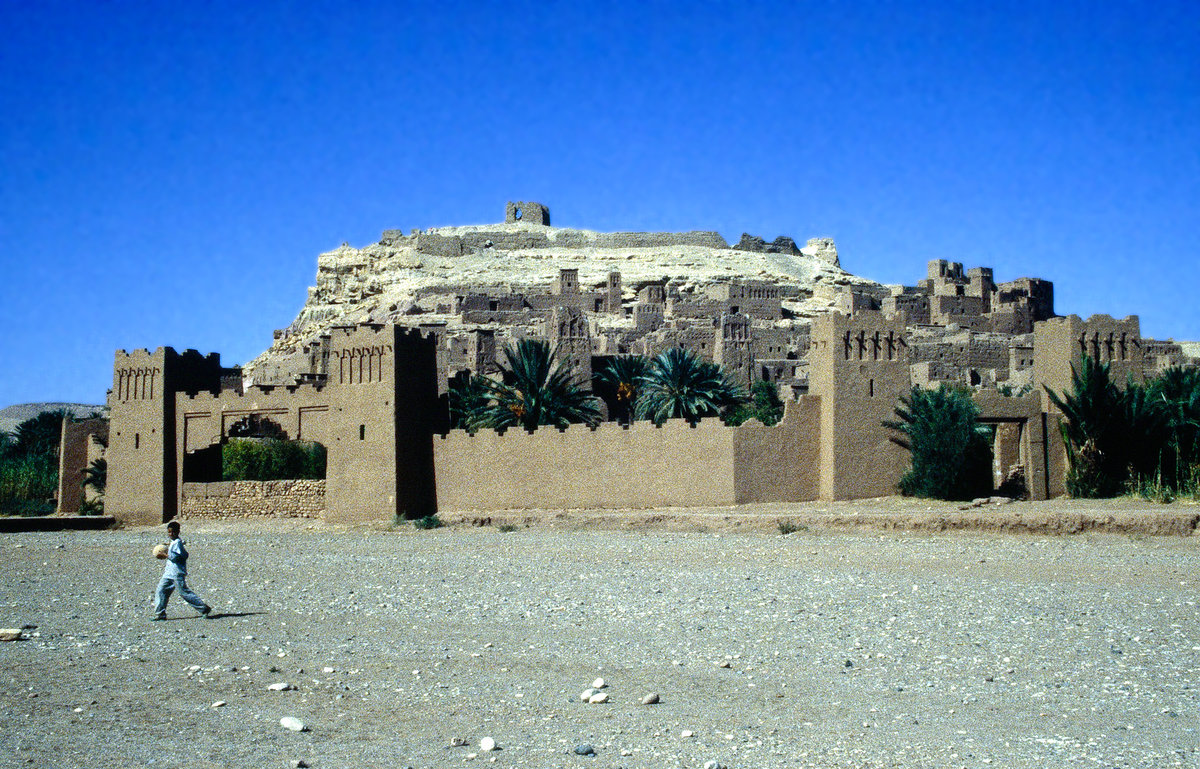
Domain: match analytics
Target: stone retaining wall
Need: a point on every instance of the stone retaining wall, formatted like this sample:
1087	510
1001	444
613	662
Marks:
245	499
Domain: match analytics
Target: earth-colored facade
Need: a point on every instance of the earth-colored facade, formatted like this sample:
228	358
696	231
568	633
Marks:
373	395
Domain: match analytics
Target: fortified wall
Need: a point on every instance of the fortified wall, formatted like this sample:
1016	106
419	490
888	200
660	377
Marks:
383	426
841	351
168	424
707	464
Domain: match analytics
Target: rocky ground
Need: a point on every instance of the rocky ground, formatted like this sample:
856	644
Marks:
821	648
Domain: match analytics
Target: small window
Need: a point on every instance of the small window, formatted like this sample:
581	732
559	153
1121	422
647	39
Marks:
362	432
137	440
871	388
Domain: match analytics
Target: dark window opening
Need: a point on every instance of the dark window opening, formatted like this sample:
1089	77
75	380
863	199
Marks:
362	432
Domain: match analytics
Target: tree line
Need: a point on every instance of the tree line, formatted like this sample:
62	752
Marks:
1138	439
29	466
532	390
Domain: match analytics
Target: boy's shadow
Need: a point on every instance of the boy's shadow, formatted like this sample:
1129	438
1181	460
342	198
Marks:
216	615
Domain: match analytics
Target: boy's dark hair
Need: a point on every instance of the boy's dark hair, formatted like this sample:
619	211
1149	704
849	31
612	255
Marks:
173	525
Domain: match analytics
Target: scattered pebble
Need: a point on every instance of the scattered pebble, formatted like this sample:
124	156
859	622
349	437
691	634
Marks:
281	687
584	749
650	699
293	724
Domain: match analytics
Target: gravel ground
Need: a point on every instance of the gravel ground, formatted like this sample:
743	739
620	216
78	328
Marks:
407	648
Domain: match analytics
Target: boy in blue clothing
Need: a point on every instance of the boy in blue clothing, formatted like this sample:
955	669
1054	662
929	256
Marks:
175	578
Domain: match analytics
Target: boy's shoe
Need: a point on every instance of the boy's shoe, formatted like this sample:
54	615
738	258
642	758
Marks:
159	617
207	613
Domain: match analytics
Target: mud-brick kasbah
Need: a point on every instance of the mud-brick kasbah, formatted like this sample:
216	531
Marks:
365	368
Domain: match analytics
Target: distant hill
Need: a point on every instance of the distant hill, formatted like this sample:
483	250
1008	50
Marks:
15	415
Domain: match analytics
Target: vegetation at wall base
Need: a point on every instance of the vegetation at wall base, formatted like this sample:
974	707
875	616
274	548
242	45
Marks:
428	522
272	459
1144	438
790	527
951	456
1155	489
29	465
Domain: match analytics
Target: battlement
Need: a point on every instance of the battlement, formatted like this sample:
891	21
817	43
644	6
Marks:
1105	320
202	398
139	356
143	354
602	428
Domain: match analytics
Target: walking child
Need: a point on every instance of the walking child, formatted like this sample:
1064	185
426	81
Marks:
175	578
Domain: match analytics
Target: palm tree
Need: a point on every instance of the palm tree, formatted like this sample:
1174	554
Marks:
469	396
95	477
764	405
1177	391
617	384
1108	433
679	384
41	434
951	458
533	391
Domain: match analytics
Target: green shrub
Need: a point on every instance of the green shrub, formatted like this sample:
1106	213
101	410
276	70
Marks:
951	455
29	465
1143	439
271	459
428	522
791	527
764	405
27	484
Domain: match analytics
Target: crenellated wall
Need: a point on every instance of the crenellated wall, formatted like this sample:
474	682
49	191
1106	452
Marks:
143	466
379	417
612	466
631	466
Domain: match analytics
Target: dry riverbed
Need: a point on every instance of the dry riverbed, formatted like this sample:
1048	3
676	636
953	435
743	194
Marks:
838	646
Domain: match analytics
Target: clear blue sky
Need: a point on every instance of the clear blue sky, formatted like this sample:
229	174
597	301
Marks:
171	170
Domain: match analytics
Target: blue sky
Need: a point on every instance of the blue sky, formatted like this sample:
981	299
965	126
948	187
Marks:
171	170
